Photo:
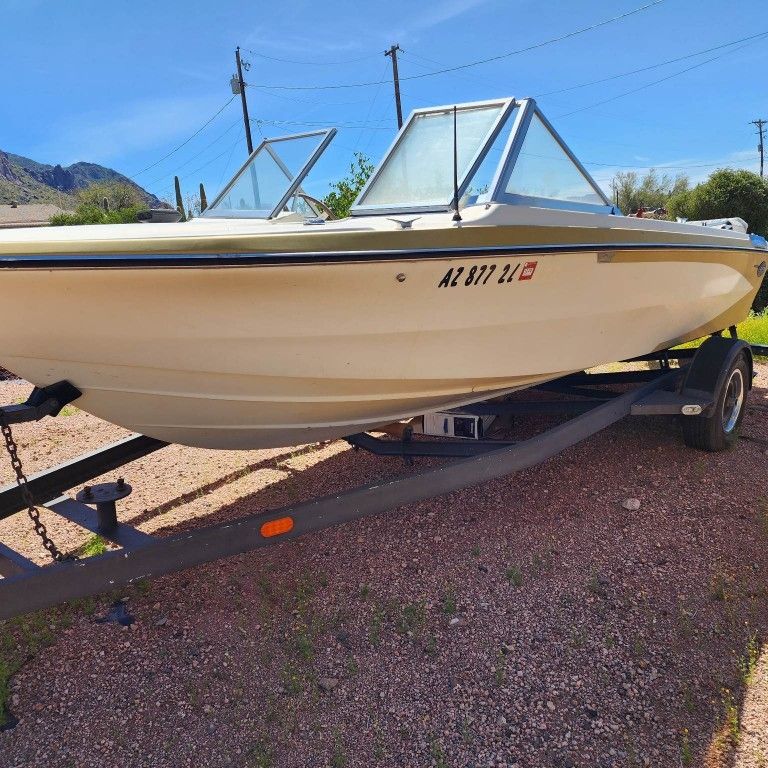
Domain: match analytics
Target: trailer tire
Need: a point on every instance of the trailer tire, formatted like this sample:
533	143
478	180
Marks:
720	430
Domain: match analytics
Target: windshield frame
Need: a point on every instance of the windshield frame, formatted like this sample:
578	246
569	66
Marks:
506	106
294	186
526	109
504	170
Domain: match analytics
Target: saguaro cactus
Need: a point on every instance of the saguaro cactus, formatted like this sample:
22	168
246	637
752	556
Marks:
179	201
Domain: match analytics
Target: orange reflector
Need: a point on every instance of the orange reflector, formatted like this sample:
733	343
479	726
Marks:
277	527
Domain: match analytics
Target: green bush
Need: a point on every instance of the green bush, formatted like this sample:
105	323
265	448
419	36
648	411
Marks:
93	214
117	194
344	192
103	203
727	192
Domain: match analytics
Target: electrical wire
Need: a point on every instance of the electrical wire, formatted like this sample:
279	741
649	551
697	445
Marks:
312	63
229	150
488	60
657	167
654	82
323	124
186	141
371	105
653	66
240	136
202	151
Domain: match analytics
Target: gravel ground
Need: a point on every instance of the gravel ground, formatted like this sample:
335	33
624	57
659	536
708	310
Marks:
531	621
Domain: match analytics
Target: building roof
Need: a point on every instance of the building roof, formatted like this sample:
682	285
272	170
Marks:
27	215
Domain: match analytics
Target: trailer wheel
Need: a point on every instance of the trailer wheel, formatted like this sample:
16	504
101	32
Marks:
720	429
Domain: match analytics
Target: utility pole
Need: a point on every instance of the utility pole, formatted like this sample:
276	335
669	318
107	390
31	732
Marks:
760	147
393	53
238	86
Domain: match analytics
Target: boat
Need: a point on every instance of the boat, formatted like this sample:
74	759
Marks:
480	258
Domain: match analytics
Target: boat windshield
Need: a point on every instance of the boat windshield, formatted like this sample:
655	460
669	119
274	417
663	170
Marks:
270	181
505	152
419	169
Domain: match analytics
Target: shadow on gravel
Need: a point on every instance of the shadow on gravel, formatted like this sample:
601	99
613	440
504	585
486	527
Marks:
267	463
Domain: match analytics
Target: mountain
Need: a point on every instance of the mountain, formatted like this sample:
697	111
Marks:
28	181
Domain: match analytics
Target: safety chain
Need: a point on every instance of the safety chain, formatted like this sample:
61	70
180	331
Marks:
21	480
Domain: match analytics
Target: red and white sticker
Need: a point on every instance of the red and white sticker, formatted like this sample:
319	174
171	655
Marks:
528	269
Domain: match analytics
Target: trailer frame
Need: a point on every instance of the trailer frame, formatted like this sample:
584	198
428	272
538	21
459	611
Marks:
26	586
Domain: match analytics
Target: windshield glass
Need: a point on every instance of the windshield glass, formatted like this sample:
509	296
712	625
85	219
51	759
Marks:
419	170
272	174
544	170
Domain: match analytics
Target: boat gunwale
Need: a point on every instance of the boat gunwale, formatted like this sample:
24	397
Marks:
256	258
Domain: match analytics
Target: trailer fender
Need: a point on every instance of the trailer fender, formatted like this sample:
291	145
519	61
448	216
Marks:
706	373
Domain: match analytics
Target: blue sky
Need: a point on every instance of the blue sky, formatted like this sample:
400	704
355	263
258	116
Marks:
123	84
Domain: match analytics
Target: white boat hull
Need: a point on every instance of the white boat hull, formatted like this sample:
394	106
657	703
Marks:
257	356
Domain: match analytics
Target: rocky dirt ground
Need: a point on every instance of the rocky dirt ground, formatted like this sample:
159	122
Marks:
531	621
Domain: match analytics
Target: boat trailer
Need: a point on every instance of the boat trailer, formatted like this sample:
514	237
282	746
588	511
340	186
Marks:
699	390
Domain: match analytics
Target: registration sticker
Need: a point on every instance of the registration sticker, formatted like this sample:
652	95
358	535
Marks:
528	269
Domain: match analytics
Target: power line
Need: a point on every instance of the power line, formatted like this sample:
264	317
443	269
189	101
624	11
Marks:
445	70
214	159
657	167
653	66
371	105
229	160
749	38
185	142
654	82
324	124
312	63
202	151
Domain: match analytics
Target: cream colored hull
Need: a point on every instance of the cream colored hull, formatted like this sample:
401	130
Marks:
256	356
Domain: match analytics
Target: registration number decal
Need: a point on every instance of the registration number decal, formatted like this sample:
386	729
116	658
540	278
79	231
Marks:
482	274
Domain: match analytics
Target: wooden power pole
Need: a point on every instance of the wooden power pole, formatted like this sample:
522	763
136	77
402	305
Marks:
241	89
392	52
761	146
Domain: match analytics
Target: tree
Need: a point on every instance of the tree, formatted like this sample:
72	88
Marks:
650	191
344	192
103	203
728	192
117	195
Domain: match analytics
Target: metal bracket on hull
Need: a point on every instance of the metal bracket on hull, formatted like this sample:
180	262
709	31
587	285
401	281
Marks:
42	402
